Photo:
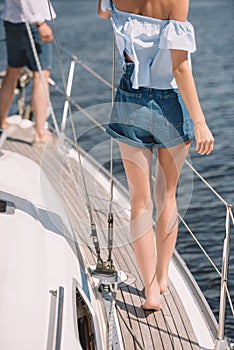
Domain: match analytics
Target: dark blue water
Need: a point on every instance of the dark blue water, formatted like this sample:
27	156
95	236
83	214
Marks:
81	32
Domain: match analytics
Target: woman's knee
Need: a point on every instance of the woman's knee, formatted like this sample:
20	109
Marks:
163	197
162	194
141	217
142	202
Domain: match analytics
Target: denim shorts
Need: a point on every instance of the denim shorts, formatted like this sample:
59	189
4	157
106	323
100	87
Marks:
148	117
19	49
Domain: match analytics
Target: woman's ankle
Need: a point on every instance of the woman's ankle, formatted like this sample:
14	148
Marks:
162	277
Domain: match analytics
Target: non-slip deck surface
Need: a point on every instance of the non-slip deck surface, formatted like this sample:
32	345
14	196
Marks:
166	329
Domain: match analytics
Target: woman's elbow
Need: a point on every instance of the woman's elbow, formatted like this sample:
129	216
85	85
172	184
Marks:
103	14
181	69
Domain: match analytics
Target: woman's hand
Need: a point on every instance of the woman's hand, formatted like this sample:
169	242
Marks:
204	138
45	32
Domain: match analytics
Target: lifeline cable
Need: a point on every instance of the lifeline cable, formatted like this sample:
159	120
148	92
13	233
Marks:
92	223
110	214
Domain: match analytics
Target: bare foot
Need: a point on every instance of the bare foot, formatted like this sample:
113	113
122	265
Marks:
43	139
149	306
5	125
153	298
8	128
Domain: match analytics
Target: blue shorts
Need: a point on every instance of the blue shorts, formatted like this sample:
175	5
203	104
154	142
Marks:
19	49
148	117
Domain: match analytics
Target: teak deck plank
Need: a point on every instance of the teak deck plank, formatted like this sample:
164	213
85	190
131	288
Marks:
166	329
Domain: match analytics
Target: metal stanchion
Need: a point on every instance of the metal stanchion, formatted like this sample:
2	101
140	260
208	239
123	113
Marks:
221	343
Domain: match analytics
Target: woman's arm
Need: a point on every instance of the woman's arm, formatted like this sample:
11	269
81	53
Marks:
185	81
101	13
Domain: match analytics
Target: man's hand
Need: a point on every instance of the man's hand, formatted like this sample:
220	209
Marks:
45	32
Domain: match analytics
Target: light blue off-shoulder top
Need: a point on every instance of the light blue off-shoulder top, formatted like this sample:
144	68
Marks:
148	41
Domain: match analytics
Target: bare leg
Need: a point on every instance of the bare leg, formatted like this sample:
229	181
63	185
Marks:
138	163
9	84
170	163
40	105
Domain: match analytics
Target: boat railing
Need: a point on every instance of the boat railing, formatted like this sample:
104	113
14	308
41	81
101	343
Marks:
221	342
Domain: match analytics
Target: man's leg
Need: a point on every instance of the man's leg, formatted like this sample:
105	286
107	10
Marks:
7	90
40	105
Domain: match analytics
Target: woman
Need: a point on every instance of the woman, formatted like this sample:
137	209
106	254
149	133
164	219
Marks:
156	105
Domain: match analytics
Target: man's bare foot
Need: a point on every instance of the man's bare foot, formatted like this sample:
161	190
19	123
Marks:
153	298
8	128
5	125
43	138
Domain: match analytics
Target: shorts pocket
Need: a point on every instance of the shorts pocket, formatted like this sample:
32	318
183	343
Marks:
125	88
173	110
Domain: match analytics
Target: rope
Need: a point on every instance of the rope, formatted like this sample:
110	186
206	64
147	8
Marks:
69	111
110	213
206	183
200	246
87	68
209	258
112	144
229	299
78	192
77	106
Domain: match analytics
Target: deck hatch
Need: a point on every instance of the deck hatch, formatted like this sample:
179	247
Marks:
85	324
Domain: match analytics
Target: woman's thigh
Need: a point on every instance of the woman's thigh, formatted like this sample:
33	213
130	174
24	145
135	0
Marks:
169	164
138	168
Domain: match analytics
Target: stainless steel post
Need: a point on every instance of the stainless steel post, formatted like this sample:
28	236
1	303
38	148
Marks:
68	94
221	344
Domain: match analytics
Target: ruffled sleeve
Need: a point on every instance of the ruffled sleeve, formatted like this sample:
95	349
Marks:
179	36
105	5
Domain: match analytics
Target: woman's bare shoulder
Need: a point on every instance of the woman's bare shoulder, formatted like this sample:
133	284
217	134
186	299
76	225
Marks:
179	10
173	9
